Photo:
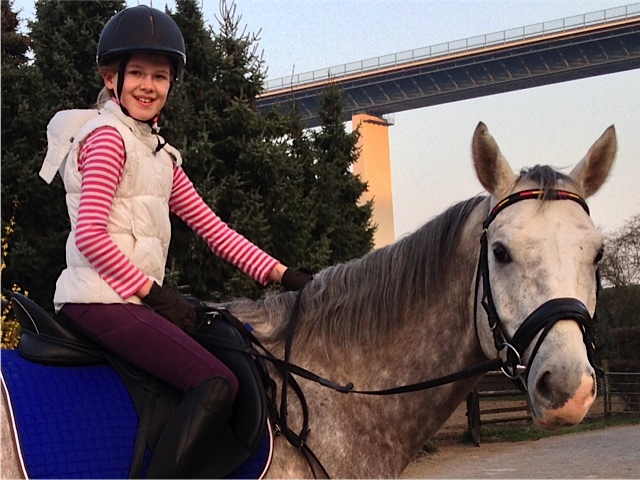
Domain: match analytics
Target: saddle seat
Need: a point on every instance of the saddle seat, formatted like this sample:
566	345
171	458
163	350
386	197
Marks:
46	340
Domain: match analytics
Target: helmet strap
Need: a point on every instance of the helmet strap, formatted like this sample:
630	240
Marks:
120	85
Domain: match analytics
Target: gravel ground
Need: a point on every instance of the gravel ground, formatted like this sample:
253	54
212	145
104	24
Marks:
610	453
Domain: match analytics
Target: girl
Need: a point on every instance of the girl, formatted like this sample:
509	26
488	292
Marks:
122	180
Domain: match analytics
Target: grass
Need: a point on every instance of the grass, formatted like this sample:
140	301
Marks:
521	433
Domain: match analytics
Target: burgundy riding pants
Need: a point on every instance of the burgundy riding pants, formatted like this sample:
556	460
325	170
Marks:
149	342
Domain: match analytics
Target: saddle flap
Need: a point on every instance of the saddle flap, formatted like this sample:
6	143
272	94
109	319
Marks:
249	410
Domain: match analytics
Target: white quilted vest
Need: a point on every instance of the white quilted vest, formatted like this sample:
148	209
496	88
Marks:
139	218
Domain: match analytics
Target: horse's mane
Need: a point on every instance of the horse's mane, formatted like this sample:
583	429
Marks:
362	299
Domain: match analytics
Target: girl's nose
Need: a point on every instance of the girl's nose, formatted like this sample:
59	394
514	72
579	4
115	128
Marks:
147	82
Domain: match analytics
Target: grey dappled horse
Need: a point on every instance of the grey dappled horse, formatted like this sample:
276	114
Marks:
409	312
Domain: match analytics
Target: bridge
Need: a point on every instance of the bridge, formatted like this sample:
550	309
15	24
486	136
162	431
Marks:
581	46
571	48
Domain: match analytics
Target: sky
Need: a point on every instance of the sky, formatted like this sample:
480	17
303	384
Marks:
431	163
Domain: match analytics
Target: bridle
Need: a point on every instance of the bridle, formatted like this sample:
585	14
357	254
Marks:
542	319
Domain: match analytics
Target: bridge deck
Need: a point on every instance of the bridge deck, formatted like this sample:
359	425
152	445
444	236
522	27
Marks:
567	49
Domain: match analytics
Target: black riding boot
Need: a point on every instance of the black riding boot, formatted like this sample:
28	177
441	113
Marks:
184	443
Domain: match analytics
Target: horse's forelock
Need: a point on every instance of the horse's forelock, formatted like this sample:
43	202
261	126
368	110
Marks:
546	178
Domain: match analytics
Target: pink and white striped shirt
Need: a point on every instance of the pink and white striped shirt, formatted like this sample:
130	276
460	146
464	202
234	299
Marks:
101	163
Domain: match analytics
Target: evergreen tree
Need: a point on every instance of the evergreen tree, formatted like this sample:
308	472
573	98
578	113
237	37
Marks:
20	86
63	75
65	41
16	78
296	231
22	147
335	190
239	160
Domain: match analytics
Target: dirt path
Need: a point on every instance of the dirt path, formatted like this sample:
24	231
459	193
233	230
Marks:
610	453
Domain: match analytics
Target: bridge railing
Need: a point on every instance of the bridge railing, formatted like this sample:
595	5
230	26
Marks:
575	22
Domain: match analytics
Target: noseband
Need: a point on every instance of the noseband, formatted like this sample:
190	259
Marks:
546	315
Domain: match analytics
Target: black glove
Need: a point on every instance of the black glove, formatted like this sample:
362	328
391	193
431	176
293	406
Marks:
167	302
293	280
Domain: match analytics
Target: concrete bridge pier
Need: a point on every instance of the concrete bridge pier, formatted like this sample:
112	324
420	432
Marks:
374	168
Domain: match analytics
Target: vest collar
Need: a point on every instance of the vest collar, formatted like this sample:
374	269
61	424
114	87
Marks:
142	130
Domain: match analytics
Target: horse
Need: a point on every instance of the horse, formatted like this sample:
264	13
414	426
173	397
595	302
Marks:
510	275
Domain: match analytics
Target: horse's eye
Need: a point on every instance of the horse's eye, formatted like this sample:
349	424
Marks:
501	254
599	256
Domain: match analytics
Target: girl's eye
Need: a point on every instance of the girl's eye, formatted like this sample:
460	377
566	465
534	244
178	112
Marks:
162	78
134	73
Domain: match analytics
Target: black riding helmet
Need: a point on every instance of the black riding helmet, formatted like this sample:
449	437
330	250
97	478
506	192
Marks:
142	29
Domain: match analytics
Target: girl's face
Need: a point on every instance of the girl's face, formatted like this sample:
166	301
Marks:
147	79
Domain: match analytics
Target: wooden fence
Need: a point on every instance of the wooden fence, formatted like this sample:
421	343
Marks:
494	385
620	392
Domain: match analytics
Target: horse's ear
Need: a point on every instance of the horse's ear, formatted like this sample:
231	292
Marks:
492	168
593	169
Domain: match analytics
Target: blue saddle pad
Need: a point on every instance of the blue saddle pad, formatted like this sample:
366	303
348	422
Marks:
80	422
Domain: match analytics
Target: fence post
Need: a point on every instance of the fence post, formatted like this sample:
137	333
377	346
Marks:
607	395
473	416
607	390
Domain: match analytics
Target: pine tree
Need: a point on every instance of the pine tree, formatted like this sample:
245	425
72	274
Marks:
22	147
341	220
296	231
63	74
239	160
65	41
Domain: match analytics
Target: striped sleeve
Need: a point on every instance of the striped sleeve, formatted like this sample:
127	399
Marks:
101	164
221	239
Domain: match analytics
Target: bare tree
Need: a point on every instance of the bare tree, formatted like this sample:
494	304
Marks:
621	263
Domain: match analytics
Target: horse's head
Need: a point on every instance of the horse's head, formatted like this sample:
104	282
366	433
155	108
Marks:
538	279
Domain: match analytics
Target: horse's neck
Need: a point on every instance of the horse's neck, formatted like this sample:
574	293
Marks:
432	337
436	341
432	334
390	429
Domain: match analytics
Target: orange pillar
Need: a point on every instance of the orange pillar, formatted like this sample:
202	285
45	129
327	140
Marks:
374	167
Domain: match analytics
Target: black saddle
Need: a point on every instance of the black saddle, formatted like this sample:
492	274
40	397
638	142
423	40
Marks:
50	341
